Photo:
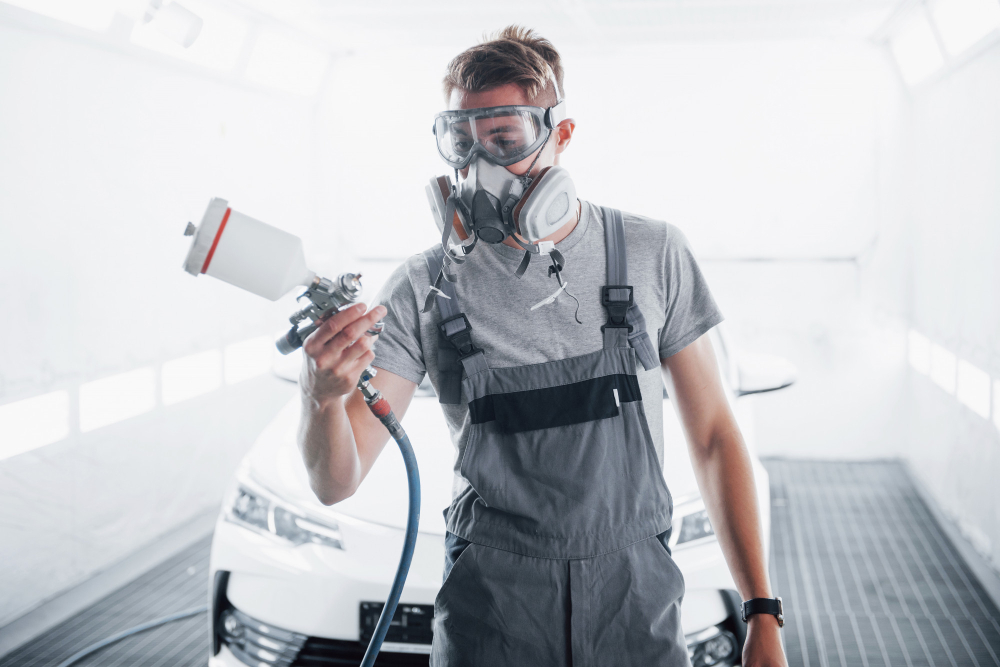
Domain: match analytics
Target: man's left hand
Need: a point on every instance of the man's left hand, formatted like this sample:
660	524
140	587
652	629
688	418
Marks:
763	644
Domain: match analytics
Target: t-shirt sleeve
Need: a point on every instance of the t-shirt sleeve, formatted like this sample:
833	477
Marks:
691	310
398	349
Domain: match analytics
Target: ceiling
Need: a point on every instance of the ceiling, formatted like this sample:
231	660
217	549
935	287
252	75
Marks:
354	25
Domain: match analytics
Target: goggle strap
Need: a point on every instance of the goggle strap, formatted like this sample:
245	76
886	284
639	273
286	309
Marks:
555	114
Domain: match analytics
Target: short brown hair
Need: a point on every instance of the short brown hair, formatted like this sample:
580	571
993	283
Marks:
512	55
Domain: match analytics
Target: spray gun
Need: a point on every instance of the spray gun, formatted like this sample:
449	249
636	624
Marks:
269	262
325	297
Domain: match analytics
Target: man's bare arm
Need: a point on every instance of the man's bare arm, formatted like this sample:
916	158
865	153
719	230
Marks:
725	477
338	436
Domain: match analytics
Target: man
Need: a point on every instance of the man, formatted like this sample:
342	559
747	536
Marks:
556	543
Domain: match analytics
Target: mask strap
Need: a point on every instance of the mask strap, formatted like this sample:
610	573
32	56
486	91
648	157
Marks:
527	174
450	257
523	266
526	179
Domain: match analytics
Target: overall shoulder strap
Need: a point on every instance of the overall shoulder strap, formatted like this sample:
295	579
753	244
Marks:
617	295
455	348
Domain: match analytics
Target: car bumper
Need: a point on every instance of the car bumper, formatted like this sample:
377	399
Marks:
225	658
317	591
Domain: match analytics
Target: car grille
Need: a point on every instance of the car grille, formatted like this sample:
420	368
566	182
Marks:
263	645
411	624
319	652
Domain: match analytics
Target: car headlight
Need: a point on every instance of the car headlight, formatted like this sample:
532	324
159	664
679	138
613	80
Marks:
254	509
695	524
712	646
694	527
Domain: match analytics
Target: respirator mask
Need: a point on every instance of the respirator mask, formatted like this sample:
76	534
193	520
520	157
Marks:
492	204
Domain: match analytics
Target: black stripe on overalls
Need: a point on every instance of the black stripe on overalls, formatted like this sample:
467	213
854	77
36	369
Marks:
449	360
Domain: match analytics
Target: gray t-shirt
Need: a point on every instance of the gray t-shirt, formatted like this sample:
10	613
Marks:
668	287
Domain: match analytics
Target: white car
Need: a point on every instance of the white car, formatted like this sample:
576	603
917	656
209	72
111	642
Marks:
294	582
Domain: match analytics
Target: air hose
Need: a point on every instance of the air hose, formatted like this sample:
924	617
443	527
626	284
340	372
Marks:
381	409
80	655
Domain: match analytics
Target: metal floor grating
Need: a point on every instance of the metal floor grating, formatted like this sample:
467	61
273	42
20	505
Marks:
868	579
866	574
178	583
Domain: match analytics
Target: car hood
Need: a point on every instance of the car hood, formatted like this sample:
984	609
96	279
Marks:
275	462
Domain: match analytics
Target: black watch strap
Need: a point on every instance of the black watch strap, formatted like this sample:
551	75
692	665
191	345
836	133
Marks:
763	606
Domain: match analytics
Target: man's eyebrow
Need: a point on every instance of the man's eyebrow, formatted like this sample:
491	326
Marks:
501	128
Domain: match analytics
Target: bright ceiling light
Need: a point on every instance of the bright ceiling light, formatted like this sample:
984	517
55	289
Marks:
962	23
218	45
943	367
176	22
190	376
916	49
116	398
973	388
33	423
281	62
996	403
91	14
248	359
919	352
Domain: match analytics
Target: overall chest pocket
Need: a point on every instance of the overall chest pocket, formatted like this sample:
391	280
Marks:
561	405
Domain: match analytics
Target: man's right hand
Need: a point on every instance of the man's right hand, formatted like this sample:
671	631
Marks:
337	352
339	437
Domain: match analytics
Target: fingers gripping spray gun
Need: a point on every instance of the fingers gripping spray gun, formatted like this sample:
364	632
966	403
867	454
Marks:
269	262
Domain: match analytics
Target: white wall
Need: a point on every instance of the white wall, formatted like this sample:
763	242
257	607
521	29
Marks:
812	188
757	150
769	157
953	218
832	207
106	154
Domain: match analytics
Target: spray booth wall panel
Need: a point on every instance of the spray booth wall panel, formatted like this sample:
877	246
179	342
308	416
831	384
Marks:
850	353
954	221
75	507
106	155
770	157
769	150
753	149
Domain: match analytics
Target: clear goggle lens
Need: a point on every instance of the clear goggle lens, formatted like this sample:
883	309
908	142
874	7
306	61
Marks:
506	134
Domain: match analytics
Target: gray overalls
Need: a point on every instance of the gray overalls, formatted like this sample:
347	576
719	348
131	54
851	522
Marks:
556	550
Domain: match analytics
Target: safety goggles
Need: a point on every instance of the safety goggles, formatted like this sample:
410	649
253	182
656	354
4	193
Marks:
503	135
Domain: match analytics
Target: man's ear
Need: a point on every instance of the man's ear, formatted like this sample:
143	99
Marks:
564	134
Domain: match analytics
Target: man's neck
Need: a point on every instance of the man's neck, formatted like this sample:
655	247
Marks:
555	237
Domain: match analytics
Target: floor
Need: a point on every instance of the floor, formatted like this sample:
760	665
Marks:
175	585
867	576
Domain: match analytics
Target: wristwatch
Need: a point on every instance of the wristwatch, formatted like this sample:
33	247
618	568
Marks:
763	606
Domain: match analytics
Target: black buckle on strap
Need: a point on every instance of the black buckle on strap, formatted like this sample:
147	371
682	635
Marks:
462	338
617	308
